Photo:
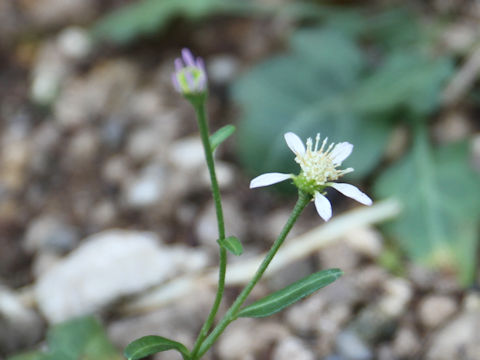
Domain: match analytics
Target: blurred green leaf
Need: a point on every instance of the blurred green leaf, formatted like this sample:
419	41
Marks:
145	17
441	197
232	244
307	91
80	338
410	80
36	355
221	135
279	300
149	345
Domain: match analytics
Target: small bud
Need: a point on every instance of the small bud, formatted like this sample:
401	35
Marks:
190	77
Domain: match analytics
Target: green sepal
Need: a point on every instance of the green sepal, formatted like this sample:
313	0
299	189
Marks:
232	244
221	135
279	300
149	345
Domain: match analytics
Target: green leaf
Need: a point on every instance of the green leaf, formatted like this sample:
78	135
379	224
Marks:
146	17
307	91
149	345
221	135
232	244
410	80
440	193
81	338
279	300
36	355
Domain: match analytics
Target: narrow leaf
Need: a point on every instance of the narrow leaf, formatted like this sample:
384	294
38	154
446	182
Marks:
221	135
149	345
279	300
232	244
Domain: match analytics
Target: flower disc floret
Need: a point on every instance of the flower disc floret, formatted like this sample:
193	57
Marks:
319	168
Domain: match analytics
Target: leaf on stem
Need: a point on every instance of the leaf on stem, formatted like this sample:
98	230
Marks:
279	300
149	345
221	135
232	244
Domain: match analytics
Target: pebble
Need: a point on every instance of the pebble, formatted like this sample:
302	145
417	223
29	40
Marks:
142	144
147	189
433	310
292	348
50	233
106	267
406	343
83	147
20	327
398	293
74	42
248	337
187	154
351	347
458	339
116	170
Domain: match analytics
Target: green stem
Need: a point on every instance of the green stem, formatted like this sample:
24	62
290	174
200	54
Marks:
231	314
204	133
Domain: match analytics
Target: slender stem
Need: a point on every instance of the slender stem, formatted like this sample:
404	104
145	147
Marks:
231	314
204	133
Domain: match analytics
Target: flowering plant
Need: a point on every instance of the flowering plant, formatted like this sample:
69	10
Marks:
319	170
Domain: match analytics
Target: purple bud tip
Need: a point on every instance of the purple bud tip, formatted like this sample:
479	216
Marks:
178	64
201	65
188	57
175	82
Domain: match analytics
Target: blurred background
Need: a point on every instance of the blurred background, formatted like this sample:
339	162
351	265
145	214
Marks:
105	207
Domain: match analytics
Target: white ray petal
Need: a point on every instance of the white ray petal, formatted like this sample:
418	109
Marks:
268	179
295	143
323	206
340	152
352	192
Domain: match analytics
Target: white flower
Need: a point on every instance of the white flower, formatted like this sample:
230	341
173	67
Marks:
319	169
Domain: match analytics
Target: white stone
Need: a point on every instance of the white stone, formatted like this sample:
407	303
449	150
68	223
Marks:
292	348
406	343
147	189
106	267
187	154
75	42
398	293
435	309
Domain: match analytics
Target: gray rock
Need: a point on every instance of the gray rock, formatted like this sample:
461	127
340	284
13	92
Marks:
106	267
20	327
49	233
292	348
433	310
339	255
351	347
